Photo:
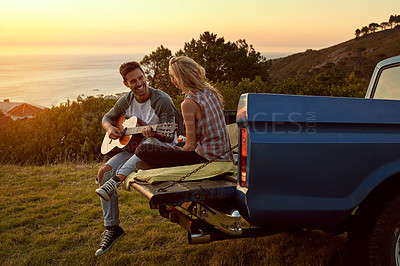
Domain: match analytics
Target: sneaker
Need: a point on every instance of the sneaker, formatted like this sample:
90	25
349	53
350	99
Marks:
109	237
107	189
105	179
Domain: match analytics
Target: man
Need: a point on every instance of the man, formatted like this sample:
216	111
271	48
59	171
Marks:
150	106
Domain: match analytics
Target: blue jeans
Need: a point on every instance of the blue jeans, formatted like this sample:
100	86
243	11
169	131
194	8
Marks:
122	163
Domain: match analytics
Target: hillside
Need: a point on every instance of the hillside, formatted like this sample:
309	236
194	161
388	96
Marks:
357	55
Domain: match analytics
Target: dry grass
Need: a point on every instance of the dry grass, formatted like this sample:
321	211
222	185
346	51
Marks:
51	215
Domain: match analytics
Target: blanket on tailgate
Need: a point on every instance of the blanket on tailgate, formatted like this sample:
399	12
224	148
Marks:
156	175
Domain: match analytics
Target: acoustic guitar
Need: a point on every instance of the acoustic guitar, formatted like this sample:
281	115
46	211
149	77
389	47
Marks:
132	135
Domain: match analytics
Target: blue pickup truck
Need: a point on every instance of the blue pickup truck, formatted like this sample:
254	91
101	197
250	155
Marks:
324	163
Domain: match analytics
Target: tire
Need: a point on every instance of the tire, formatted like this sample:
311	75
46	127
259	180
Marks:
375	239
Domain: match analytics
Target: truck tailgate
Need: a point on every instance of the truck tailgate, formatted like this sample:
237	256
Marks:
220	187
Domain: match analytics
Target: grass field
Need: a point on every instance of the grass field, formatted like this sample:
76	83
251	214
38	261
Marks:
50	215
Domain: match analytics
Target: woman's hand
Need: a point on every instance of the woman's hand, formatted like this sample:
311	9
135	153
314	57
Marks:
178	148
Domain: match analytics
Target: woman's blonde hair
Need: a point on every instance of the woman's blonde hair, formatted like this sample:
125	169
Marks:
189	74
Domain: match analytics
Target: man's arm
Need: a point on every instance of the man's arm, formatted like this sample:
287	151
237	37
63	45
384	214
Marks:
113	115
117	110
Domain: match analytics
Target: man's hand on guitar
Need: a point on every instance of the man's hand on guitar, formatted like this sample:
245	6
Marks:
148	132
122	135
114	132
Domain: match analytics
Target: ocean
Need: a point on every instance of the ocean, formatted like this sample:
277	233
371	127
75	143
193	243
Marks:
49	80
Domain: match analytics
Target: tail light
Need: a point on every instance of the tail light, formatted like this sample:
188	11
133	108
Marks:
243	157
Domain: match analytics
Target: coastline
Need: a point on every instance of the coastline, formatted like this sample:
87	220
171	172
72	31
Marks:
115	96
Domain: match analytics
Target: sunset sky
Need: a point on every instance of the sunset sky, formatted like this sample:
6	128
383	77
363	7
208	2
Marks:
128	26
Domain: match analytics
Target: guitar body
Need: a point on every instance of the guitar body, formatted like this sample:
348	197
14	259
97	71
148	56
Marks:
127	142
132	130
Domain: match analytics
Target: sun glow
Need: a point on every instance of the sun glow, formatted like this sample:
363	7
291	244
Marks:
69	26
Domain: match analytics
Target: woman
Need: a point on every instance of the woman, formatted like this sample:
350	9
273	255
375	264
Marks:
202	110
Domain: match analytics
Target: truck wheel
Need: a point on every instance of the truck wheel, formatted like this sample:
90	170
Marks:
377	239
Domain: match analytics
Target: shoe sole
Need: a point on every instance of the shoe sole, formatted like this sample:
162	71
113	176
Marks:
108	249
103	194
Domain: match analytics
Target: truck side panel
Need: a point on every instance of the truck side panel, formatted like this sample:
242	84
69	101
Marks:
308	168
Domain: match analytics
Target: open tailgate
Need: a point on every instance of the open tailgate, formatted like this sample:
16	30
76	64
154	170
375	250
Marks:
220	187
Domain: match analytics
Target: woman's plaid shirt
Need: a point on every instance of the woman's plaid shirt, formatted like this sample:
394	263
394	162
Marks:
212	135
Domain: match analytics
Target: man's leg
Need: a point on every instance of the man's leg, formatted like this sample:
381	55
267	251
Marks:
110	208
109	187
130	165
113	231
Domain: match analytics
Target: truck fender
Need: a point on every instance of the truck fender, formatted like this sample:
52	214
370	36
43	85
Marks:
376	178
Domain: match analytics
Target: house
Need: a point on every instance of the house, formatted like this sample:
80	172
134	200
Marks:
17	110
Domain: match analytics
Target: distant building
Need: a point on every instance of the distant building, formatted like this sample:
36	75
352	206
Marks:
14	110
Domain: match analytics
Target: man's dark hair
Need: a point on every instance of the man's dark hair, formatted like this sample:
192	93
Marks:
127	67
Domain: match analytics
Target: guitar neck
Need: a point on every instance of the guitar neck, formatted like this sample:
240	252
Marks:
138	130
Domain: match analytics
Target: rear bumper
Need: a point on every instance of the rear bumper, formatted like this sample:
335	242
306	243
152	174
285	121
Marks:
203	208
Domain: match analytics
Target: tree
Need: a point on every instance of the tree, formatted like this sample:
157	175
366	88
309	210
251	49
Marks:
71	132
394	20
242	62
226	61
223	61
397	19
208	51
385	25
365	30
373	27
358	32
155	67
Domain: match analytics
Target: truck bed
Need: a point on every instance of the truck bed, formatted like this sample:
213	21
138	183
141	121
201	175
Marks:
175	194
